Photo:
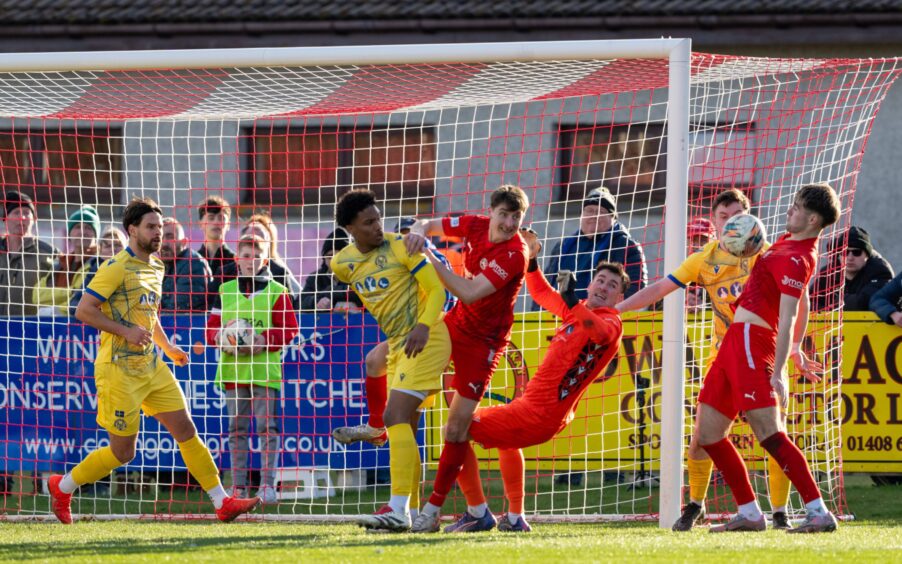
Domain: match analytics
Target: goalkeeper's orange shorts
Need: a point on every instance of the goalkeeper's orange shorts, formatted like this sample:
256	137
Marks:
511	426
121	396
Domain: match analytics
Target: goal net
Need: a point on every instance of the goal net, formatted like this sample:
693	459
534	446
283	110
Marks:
432	130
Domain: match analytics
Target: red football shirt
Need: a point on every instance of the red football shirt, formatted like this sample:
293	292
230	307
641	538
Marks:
504	264
785	268
581	348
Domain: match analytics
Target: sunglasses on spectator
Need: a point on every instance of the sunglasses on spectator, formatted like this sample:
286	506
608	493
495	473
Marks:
855	252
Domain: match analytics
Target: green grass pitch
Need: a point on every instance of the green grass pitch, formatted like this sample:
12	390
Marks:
875	536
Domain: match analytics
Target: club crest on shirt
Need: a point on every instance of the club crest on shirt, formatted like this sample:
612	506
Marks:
483	263
380	261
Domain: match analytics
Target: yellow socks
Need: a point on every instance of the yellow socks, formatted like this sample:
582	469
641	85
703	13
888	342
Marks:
699	478
95	466
402	458
415	482
779	485
200	463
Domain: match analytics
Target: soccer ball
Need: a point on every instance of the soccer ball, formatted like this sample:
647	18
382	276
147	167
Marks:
236	334
743	235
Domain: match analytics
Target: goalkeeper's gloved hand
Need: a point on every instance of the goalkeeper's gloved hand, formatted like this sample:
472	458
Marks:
566	285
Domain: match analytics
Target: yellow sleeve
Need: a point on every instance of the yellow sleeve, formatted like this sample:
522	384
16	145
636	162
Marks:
428	280
338	269
688	272
107	279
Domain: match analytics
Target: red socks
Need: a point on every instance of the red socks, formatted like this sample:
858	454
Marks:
731	466
793	463
449	465
376	398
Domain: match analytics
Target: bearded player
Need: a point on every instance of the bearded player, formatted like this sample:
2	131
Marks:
495	257
122	302
723	276
748	374
581	348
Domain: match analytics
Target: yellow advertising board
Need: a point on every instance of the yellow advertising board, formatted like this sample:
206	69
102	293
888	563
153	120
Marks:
618	426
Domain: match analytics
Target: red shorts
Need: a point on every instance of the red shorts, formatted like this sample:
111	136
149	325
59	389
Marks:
474	363
510	426
739	379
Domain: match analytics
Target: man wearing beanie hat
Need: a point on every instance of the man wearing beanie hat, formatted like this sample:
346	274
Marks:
600	238
865	272
71	269
321	290
23	258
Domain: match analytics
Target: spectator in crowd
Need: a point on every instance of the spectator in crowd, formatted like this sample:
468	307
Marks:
887	302
601	238
261	225
252	379
322	291
23	258
52	293
215	217
865	272
112	241
187	275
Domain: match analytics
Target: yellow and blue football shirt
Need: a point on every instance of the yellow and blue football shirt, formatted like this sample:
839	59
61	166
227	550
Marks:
722	275
398	289
130	290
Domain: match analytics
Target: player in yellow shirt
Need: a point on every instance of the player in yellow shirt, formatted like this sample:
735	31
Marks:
407	298
723	277
122	303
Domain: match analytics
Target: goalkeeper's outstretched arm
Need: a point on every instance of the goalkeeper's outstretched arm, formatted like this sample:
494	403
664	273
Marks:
648	295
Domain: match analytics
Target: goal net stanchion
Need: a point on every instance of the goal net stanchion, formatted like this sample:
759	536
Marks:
433	130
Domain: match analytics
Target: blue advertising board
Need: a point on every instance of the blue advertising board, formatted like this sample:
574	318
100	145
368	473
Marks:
48	397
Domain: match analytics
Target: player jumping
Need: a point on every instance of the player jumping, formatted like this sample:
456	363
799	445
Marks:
495	257
723	276
748	374
122	303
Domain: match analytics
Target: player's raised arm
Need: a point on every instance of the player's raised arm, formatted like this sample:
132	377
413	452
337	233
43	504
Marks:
415	240
467	290
536	283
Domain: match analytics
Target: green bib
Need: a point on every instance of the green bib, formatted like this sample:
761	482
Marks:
265	368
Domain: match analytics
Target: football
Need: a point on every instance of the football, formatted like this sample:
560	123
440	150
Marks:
743	235
236	334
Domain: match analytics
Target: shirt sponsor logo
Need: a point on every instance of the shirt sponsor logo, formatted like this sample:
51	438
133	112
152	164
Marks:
455	222
736	288
792	283
497	269
148	298
383	283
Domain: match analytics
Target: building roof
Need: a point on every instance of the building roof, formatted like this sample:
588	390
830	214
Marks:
130	12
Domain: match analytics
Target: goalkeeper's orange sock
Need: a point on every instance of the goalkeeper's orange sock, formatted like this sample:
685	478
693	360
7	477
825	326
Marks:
471	485
779	485
402	455
513	474
95	466
376	398
699	478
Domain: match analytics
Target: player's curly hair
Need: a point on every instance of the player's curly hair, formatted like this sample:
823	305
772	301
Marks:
616	269
510	196
821	199
352	203
136	209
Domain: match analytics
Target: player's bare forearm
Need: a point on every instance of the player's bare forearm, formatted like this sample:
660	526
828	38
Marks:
90	314
801	323
160	338
465	289
785	327
647	296
428	227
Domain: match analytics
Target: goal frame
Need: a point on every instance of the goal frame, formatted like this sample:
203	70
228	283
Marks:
677	51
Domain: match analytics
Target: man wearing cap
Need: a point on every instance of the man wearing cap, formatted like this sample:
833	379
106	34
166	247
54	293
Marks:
321	290
601	238
23	258
865	272
70	270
